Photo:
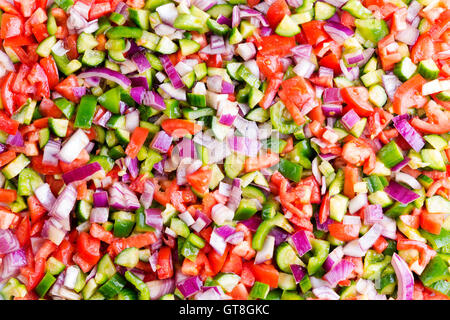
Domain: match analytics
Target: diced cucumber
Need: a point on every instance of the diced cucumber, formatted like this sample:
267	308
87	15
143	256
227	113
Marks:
377	95
338	207
428	69
128	257
433	158
287	27
188	47
166	46
227	281
58	126
405	69
436	141
285	256
44	48
323	10
179	227
234	164
286	281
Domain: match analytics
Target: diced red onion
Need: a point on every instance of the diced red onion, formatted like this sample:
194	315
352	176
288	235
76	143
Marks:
410	134
266	253
353	249
64	203
338	32
370	237
178	94
373	214
246	50
159	288
8	242
341	271
405	278
108	74
220	214
400	165
161	142
73	146
350	119
190	286
147	196
331	110
333	258
153	218
51	151
81	173
218	243
99	215
304	68
325	293
301	242
408	35
357	203
154	100
390	83
400	193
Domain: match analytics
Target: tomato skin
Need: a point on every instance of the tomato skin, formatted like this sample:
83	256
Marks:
409	95
269	65
432	222
51	70
438	120
331	61
11	25
275	45
357	98
6	94
99	9
65	252
276	12
65	88
314	32
344	232
265	273
88	248
199	179
165	266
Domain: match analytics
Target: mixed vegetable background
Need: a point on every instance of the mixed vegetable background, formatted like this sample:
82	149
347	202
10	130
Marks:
211	149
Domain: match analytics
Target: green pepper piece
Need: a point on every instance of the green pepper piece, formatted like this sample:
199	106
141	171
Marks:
374	264
372	29
85	112
439	241
265	227
436	269
320	249
124	32
290	170
279	122
28	181
144	292
111	99
67	107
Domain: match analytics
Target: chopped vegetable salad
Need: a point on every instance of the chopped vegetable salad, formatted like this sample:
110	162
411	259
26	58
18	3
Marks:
225	149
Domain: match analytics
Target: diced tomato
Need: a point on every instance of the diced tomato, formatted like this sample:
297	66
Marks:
164	263
88	248
431	222
265	273
276	12
314	32
358	99
65	88
11	25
